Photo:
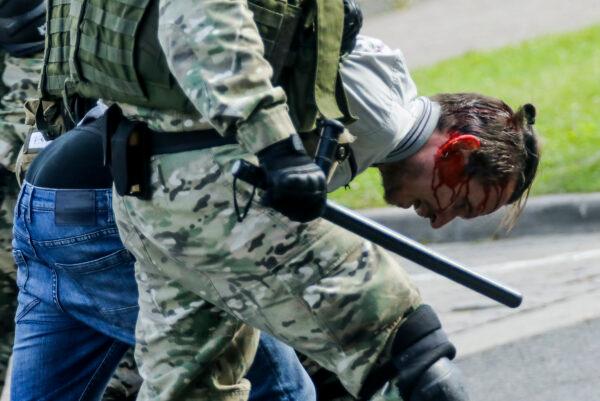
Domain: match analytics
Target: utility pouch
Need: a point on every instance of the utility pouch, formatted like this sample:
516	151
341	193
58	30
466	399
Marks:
46	122
130	159
47	117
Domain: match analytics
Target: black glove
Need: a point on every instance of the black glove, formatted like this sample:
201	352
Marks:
441	382
296	186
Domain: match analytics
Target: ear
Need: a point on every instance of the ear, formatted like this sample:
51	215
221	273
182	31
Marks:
451	158
459	143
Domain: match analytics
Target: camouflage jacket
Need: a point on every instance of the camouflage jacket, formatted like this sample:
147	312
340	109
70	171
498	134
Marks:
227	80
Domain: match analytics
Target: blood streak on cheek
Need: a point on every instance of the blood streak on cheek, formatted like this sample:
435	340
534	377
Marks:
497	190
448	171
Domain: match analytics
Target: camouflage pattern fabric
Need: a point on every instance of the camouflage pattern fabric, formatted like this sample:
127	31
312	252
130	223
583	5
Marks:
126	381
20	77
8	287
208	62
331	295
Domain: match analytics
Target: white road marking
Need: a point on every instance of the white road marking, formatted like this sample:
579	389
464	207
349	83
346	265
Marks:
567	257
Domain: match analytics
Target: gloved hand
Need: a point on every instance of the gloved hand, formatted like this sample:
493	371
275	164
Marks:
441	382
296	186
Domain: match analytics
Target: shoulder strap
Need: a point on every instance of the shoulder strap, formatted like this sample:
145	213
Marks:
330	26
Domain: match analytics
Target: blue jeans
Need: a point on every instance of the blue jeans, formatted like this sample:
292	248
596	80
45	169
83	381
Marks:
77	304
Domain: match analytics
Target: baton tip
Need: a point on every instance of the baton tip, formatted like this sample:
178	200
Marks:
514	302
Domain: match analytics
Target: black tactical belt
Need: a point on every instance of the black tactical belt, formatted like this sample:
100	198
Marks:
129	145
174	142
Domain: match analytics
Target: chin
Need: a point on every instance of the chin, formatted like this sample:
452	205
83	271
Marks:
393	198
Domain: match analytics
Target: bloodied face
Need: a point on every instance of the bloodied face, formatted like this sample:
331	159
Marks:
435	182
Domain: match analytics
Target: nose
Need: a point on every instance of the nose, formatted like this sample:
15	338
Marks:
441	219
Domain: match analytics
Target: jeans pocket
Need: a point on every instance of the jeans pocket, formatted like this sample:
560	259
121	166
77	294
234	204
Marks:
109	282
26	303
22	269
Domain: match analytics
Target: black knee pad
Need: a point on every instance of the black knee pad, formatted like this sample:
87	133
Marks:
418	344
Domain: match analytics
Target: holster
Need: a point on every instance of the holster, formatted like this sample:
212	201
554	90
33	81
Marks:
129	145
127	152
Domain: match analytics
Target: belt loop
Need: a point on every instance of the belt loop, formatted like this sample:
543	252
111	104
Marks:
30	204
110	213
19	198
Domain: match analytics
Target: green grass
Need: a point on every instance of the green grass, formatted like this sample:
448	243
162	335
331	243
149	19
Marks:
559	74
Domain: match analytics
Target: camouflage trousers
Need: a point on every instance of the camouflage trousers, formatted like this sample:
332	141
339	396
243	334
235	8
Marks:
20	77
329	294
126	382
8	287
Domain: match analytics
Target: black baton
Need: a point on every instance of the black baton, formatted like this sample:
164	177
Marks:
396	243
381	235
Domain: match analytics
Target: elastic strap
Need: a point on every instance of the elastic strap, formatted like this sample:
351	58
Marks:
418	343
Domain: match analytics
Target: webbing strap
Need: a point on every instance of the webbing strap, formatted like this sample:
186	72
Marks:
75	8
330	26
76	15
280	52
100	78
59	25
55	82
58	54
134	3
110	21
268	23
266	17
104	51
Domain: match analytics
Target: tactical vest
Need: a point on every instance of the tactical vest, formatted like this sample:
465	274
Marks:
108	49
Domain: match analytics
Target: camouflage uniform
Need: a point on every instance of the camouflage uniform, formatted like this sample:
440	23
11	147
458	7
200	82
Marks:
328	293
20	77
331	295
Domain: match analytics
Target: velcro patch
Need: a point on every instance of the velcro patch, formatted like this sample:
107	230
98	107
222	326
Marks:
35	142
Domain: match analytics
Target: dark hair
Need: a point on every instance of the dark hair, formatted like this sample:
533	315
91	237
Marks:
509	145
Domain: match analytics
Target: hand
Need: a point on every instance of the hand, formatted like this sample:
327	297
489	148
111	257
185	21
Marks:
296	186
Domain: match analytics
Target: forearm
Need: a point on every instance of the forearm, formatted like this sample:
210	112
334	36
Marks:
216	55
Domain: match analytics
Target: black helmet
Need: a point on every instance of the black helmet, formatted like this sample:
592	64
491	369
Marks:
22	26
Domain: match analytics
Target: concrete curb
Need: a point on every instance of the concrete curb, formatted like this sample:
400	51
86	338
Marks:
550	214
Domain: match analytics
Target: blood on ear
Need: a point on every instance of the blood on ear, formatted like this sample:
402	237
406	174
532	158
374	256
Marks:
450	171
449	167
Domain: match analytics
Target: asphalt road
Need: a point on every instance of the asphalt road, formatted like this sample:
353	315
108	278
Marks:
559	365
434	30
545	350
